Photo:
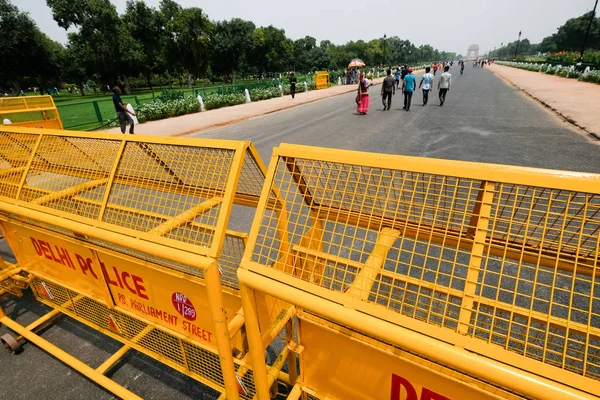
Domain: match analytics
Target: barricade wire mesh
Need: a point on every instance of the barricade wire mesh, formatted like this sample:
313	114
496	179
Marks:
512	265
179	354
172	192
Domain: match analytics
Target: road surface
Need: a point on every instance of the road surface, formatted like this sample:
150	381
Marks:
484	119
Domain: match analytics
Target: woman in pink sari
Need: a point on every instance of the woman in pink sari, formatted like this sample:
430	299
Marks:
362	97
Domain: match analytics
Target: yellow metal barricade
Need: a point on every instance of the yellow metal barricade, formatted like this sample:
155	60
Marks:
30	111
321	80
132	236
419	278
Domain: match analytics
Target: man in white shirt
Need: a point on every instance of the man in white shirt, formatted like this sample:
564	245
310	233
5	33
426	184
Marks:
426	83
444	84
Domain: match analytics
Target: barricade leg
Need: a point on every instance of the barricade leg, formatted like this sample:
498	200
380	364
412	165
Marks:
255	343
215	297
289	338
68	359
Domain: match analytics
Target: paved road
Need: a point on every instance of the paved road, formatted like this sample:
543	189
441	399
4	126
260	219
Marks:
484	119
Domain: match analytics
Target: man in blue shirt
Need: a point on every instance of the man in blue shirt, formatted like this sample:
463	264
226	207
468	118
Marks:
408	88
397	78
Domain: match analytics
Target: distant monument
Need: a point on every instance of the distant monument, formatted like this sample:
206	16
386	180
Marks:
473	51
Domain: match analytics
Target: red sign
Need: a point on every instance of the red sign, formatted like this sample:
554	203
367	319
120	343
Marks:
184	306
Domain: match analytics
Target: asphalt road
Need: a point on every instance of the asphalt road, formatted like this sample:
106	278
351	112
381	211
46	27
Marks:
483	119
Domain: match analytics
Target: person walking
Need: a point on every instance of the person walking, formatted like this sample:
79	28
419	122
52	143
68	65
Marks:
362	98
426	83
397	78
434	68
462	67
408	88
403	72
444	85
293	82
387	90
123	115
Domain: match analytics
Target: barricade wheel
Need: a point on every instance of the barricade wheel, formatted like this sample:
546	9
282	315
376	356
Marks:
11	343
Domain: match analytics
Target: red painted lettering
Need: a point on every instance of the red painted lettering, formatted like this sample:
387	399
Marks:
139	287
107	275
126	275
119	278
46	250
56	259
36	246
125	280
86	265
399	382
64	257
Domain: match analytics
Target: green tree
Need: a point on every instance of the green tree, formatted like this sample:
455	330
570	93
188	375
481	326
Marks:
28	56
233	46
273	51
98	33
142	31
570	36
190	41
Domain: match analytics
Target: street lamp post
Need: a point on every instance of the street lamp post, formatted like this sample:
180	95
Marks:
384	48
587	33
518	42
500	51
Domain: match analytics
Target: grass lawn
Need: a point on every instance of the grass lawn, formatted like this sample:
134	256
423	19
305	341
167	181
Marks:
93	111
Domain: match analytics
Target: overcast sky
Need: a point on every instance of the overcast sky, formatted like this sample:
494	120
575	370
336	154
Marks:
446	25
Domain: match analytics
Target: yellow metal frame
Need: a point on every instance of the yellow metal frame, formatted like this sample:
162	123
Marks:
296	274
25	107
33	157
321	80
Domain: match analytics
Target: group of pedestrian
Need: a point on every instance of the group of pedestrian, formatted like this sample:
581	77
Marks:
409	83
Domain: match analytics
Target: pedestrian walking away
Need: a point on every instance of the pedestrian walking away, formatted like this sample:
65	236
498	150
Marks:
397	77
362	98
293	81
444	85
435	66
123	115
425	84
462	67
408	88
387	90
404	71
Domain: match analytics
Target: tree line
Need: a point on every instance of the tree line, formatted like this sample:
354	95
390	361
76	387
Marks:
172	41
568	37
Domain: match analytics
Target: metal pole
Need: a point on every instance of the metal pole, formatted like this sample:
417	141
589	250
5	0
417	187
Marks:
384	48
587	33
500	51
517	49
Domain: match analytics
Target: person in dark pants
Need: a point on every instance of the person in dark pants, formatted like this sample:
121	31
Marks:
293	82
123	114
425	83
444	85
387	90
408	88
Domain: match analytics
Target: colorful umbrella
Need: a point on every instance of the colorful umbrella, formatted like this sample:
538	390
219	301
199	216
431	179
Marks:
357	62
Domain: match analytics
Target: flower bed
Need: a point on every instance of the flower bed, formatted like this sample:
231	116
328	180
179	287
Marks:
565	72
